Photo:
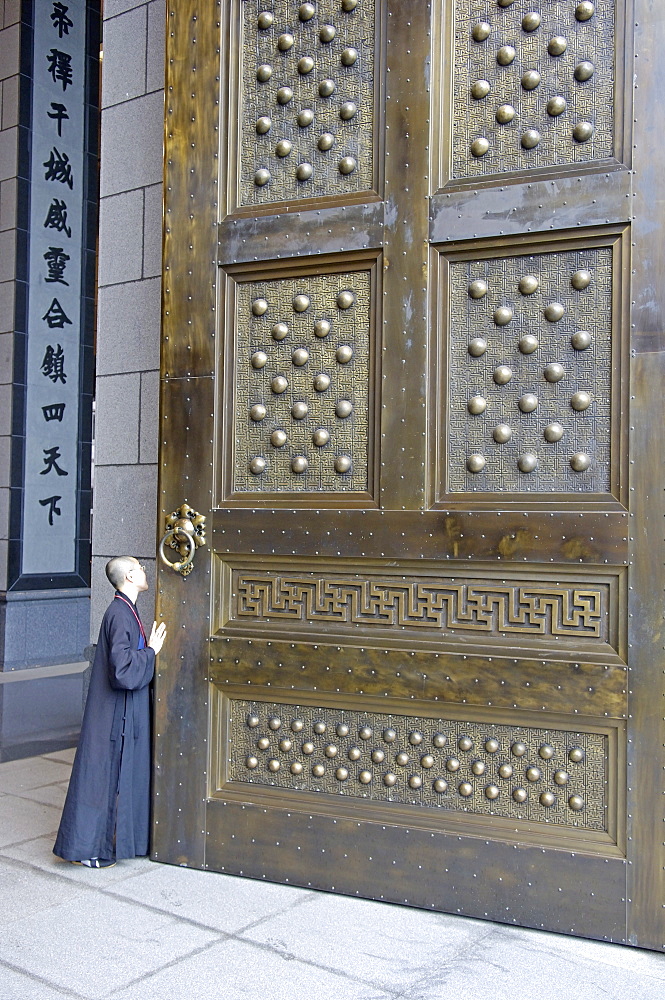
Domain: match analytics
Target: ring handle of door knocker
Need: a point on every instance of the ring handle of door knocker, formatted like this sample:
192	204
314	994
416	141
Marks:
185	532
185	565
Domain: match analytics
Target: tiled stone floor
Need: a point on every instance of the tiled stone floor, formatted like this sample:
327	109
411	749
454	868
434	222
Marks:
142	931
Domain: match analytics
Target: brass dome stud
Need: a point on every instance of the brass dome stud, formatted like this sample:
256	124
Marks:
279	331
561	777
465	789
325	141
504	114
531	79
342	464
439	739
576	803
584	71
547	799
528	402
251	762
556	106
481	31
349	5
553	312
581	340
452	765
320	437
306	11
327	33
505	55
300	357
476	463
301	303
491	746
285	42
581	279
259	359
318	770
503	315
283	148
477	347
299	410
580	401
257	465
305	65
327	88
502	433
554	372
321	382
304	171
261	177
579	462
265	20
480	89
527	462
553	432
348	56
365	777
258	412
389	779
502	375
415	781
284	95
305	117
531	21
348	111
476	405
528	284
321	328
279	385
584	11
440	785
343	408
465	743
297	725
264	72
530	138
344	353
263	124
347	165
506	771
492	792
389	735
528	344
557	45
480	146
278	438
402	759
259	306
478	288
341	773
519	794
345	299
582	131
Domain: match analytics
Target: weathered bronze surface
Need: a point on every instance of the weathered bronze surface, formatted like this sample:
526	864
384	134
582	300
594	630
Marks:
413	341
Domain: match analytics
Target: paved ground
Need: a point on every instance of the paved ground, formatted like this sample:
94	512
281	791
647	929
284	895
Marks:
142	931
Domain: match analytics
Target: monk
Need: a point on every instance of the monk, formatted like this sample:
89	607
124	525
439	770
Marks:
107	810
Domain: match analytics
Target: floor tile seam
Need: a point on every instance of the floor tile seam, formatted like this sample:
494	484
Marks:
63	990
34	788
51	834
583	960
54	877
449	964
162	968
290	956
271	916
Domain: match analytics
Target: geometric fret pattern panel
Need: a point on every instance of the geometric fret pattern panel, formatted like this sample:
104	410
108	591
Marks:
301	384
307	99
517	772
530	356
494	609
533	84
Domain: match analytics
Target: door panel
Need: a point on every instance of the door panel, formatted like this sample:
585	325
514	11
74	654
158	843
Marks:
397	380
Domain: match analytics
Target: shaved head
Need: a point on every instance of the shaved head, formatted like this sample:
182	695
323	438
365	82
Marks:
118	568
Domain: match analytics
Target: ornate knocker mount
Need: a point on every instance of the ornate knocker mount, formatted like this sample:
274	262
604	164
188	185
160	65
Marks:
185	533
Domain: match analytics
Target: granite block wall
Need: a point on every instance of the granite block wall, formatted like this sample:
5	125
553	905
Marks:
129	302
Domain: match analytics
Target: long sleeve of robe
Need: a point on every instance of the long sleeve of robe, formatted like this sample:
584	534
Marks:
107	809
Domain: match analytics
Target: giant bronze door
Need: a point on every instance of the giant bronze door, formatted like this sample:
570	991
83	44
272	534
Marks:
412	377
